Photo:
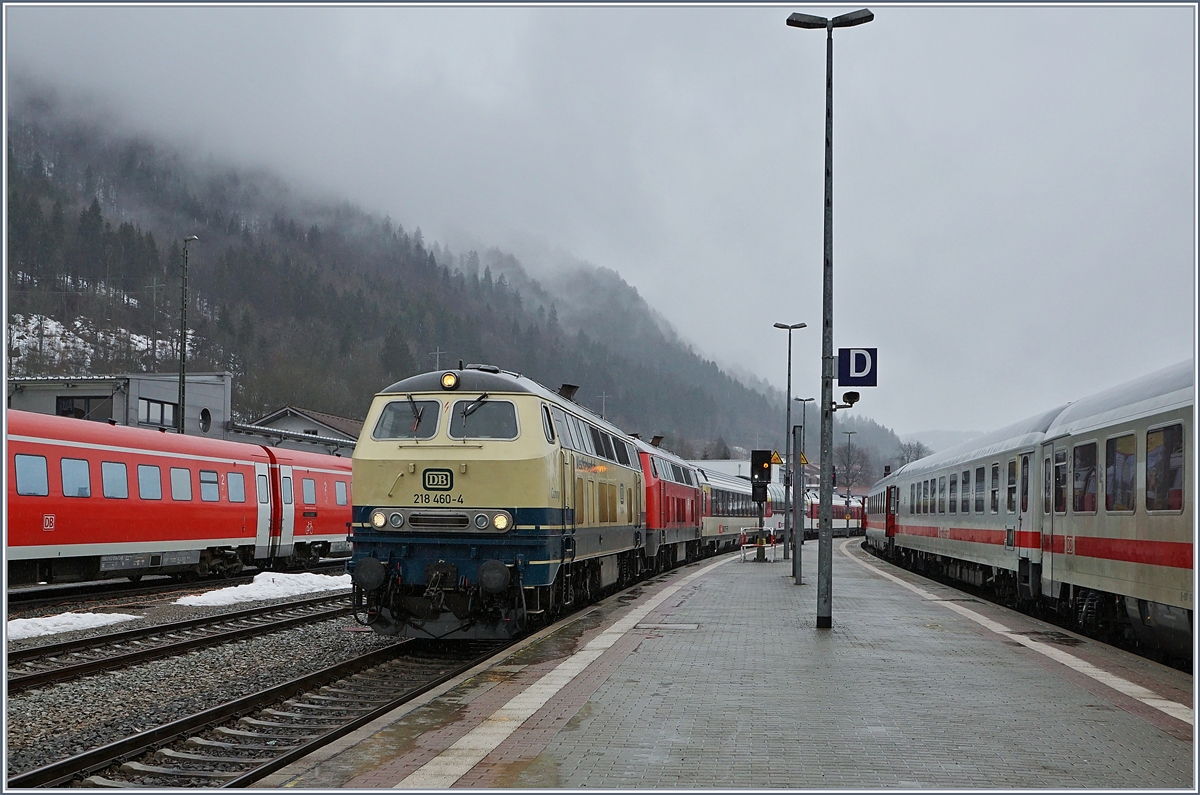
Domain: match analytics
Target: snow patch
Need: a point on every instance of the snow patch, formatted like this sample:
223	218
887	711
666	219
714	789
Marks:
21	628
268	585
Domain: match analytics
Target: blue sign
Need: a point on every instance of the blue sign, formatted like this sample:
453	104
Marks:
857	367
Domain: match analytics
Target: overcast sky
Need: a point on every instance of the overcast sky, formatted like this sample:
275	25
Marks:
1014	187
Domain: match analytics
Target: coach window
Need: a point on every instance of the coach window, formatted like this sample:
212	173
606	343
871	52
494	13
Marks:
677	471
966	491
181	484
286	482
597	441
609	453
942	494
308	489
1060	481
1164	469
1010	504
236	484
76	478
547	425
32	480
1083	490
264	495
995	488
582	436
1120	473
1024	484
114	479
954	492
149	482
925	496
1047	477
339	492
979	487
210	489
622	452
912	498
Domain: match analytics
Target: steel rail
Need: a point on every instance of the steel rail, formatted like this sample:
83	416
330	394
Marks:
19	681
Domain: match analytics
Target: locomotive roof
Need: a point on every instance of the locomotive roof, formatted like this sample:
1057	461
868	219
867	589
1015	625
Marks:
667	455
473	378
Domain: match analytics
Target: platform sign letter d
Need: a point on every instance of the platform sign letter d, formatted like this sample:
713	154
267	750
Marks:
857	367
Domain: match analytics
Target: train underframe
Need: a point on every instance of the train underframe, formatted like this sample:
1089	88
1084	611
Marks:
190	565
443	608
1161	631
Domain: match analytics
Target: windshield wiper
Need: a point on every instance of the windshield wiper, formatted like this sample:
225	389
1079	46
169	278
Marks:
471	407
417	413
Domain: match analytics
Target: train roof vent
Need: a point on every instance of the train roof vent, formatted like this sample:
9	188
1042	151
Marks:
657	440
487	368
568	391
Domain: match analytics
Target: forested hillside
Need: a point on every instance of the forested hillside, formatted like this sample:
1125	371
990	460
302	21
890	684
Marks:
314	303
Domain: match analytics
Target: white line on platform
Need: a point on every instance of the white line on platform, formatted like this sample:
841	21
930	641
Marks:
1120	684
471	749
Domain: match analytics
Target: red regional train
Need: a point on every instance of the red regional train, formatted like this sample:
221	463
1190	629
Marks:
1085	511
89	501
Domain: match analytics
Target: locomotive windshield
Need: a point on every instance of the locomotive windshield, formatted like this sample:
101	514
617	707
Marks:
408	419
494	419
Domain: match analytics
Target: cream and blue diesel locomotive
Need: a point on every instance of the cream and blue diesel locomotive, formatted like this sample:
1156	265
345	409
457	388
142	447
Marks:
484	503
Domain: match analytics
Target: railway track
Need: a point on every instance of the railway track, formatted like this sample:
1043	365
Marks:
57	662
23	598
241	741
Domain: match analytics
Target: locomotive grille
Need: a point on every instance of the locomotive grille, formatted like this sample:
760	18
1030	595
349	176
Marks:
438	521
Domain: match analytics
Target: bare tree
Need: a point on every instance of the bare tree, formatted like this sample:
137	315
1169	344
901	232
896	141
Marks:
853	465
912	451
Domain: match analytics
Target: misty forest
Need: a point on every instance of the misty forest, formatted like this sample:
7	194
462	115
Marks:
320	304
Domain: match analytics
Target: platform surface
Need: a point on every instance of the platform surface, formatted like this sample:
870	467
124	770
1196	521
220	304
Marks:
715	676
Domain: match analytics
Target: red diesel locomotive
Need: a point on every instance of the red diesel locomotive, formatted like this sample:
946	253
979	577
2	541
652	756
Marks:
88	500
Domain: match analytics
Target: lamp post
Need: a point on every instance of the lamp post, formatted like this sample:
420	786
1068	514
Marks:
800	502
787	469
825	538
183	335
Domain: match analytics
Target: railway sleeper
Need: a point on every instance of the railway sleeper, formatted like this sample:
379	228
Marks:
276	713
293	738
273	725
200	742
137	768
167	753
354	706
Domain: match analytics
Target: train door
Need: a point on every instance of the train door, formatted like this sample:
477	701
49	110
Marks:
1028	535
287	524
262	531
889	508
567	487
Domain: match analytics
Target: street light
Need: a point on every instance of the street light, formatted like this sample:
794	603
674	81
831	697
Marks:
825	537
803	498
787	469
183	334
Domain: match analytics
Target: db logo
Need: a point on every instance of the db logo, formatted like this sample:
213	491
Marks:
47	521
438	479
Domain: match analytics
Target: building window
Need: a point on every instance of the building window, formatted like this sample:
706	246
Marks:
156	412
236	483
1120	473
1164	469
88	407
115	479
149	482
32	480
210	490
1083	491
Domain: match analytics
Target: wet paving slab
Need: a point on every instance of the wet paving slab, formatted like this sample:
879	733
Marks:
727	683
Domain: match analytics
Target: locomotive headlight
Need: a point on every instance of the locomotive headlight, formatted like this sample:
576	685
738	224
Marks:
378	519
481	521
396	520
449	380
500	521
